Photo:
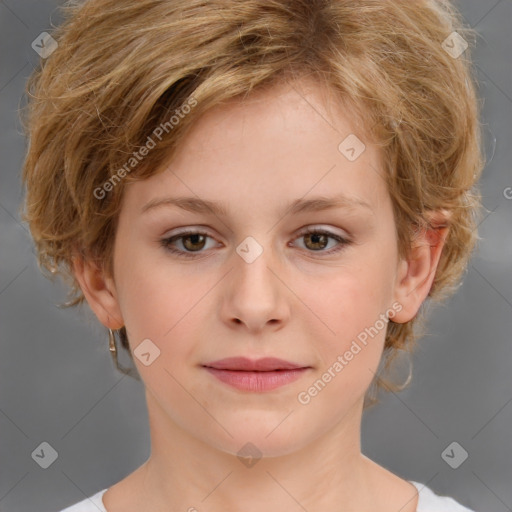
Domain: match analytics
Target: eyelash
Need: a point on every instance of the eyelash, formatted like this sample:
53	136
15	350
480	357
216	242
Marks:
166	242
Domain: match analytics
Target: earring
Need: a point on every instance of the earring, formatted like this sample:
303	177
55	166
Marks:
112	345
113	352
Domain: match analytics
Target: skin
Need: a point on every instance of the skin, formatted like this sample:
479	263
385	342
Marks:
292	302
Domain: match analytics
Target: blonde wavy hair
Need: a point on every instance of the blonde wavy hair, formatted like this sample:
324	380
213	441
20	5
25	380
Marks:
123	67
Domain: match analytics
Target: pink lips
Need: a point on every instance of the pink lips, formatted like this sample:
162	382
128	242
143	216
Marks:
255	375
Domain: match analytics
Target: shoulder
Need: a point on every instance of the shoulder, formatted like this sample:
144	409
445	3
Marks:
92	504
428	501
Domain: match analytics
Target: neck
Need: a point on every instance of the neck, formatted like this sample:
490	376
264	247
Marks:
185	472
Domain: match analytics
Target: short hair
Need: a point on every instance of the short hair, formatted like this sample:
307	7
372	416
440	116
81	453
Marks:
124	68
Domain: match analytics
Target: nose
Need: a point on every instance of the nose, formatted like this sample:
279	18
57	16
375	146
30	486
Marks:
254	296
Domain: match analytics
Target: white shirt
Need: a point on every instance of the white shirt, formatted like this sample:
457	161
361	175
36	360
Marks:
427	502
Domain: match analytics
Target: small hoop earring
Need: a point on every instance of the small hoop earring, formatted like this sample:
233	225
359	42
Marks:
113	352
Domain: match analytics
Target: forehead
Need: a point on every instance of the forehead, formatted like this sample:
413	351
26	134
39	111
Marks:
287	142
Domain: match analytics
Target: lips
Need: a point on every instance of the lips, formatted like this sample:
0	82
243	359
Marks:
266	364
256	375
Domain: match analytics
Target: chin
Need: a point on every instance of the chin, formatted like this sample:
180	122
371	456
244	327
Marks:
263	438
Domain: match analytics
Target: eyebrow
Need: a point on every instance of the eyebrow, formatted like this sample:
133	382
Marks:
320	203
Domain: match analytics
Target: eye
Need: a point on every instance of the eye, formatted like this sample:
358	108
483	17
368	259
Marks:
191	241
316	240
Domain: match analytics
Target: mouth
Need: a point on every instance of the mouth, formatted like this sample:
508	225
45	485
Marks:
266	364
257	375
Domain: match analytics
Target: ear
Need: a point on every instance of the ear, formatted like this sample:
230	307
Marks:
416	274
99	291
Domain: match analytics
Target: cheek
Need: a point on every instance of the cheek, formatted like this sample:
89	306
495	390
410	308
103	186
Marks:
348	305
349	356
150	298
162	302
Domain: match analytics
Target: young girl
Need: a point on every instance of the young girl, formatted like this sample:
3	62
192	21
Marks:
258	197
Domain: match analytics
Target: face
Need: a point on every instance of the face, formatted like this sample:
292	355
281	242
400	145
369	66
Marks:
254	265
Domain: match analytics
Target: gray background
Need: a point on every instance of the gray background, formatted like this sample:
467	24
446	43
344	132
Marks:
58	384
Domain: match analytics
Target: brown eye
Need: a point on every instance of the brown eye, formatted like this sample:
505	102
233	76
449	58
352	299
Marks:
316	241
187	244
194	242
